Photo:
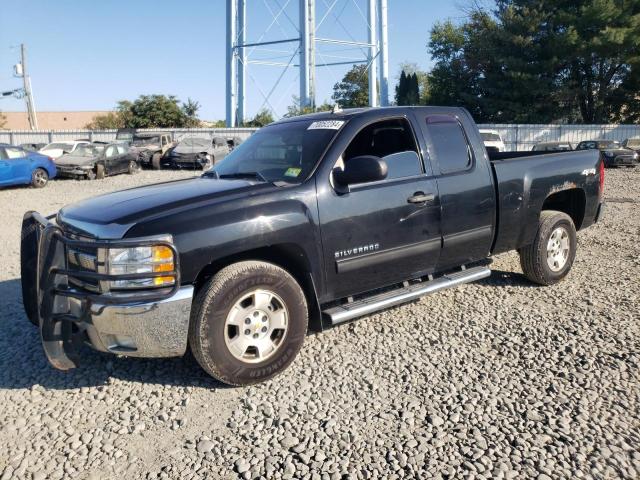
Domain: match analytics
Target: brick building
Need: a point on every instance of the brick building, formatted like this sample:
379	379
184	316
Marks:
51	120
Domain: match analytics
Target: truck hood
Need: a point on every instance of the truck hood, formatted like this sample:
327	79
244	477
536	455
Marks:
53	152
71	159
618	151
110	216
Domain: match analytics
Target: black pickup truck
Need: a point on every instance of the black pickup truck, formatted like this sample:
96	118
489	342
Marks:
311	222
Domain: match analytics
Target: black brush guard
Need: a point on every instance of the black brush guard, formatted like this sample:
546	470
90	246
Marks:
46	290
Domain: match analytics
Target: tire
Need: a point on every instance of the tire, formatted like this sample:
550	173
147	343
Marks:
28	269
537	260
204	162
133	167
212	334
39	178
100	173
155	161
91	175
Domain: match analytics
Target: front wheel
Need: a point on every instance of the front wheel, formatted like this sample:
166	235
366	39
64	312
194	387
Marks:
133	167
39	178
155	161
248	323
550	257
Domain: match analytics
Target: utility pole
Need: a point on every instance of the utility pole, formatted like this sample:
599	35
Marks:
28	94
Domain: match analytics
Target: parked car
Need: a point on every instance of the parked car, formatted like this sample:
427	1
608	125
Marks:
196	152
552	147
492	141
22	167
56	149
151	147
233	142
632	144
97	161
32	147
313	221
614	154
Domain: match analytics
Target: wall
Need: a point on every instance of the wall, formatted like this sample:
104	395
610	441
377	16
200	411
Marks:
50	120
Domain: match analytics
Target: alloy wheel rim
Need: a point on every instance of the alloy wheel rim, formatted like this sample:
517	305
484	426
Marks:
40	178
256	326
558	247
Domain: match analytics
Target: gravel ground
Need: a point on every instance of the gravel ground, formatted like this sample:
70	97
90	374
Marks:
497	379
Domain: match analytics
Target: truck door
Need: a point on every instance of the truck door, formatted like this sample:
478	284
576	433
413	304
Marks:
465	183
379	233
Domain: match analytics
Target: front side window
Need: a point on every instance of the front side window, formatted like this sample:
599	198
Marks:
450	146
286	152
392	141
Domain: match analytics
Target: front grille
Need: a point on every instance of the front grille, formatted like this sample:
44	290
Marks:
82	259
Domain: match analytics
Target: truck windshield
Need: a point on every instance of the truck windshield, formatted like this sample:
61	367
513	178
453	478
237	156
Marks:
140	141
285	152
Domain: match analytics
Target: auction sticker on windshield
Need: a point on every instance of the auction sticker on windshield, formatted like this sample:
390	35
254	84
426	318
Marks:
326	125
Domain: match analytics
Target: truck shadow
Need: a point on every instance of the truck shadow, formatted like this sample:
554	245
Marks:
23	364
503	278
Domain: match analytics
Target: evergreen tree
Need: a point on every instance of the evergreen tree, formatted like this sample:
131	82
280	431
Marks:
353	90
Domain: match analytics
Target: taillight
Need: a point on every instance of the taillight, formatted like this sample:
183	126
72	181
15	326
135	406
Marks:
601	173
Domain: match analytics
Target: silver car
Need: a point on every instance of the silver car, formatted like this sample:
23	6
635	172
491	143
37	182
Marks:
196	152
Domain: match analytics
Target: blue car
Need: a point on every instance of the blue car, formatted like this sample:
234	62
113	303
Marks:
22	167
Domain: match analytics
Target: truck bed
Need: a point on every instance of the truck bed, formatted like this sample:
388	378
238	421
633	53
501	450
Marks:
527	181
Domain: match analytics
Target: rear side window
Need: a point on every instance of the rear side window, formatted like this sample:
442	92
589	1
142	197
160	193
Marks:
13	153
391	140
450	145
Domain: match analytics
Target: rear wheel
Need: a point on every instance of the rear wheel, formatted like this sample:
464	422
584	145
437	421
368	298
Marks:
550	257
155	161
100	173
248	323
39	178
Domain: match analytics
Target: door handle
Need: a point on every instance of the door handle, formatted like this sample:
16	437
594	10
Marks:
421	197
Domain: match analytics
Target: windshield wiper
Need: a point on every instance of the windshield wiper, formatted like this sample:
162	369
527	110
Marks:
255	175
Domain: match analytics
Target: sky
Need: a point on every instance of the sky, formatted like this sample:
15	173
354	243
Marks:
87	55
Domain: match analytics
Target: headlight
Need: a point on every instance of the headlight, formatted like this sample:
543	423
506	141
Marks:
635	156
608	154
138	260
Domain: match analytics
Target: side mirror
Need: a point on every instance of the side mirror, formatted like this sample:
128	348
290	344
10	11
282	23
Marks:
363	169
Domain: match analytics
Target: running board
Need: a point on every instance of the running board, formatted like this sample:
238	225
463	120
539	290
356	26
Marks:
367	305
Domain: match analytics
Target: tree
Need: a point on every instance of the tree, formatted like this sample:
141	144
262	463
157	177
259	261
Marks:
295	109
149	111
107	121
262	118
538	61
155	111
353	90
408	89
190	109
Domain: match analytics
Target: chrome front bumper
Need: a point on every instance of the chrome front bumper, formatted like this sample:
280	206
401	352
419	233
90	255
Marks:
153	329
